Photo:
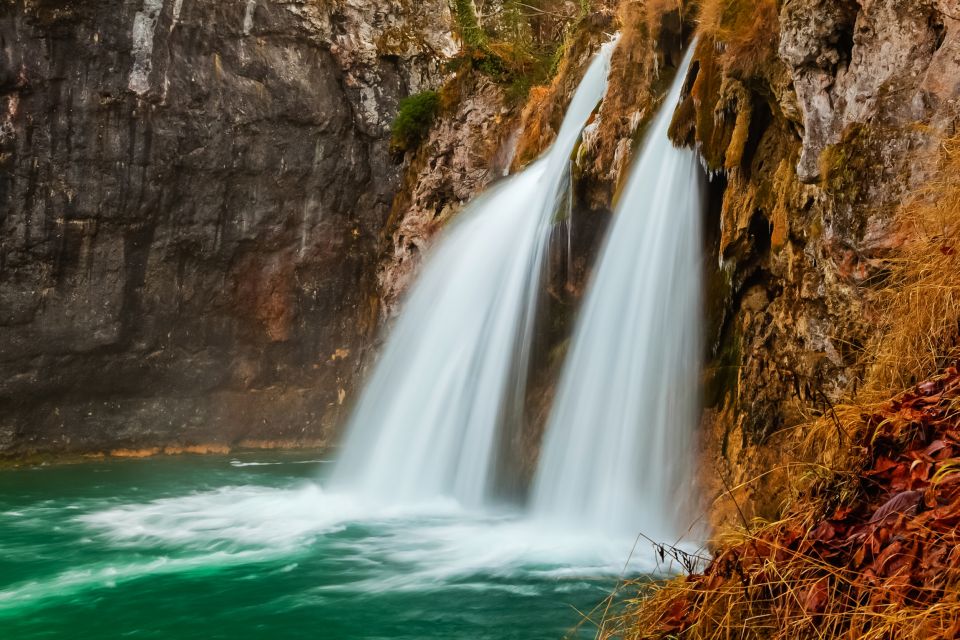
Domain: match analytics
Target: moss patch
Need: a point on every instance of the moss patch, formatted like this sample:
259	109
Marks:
469	26
415	116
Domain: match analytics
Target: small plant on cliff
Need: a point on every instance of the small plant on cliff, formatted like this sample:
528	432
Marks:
469	25
414	118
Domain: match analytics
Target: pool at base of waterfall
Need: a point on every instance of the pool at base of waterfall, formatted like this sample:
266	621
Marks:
251	546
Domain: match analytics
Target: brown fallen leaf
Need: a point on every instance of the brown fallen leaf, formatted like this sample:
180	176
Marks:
817	597
905	502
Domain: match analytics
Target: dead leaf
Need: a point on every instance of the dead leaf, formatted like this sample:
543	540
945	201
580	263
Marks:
903	502
817	597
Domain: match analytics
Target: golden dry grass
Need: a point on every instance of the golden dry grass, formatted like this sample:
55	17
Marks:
921	302
834	566
744	30
654	10
773	606
778	579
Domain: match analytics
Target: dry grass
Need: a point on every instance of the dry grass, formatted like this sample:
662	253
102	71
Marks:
851	558
654	10
743	31
779	604
921	303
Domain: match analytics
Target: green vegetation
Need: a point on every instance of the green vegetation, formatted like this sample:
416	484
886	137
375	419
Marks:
521	46
469	25
414	118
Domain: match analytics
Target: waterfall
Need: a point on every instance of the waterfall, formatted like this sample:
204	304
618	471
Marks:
618	451
453	370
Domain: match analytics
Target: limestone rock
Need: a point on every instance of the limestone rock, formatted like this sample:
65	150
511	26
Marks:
192	200
458	160
853	63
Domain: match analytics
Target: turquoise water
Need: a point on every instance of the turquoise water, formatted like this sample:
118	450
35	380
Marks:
252	547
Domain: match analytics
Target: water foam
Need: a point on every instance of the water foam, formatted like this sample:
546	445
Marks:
429	542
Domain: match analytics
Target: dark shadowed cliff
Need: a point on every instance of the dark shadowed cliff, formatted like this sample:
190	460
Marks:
192	196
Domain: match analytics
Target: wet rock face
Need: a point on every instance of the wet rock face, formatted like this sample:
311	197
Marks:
643	65
192	194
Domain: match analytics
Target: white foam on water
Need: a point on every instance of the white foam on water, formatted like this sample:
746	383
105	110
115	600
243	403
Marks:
243	516
240	463
407	547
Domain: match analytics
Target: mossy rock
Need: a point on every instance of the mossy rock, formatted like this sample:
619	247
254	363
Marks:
722	375
845	166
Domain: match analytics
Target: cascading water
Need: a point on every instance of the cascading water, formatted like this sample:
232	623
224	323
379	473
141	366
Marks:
454	367
617	454
147	545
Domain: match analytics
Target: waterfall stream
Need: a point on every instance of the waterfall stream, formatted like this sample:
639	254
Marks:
619	442
385	541
453	371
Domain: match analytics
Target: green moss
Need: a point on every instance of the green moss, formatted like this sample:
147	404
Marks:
414	118
842	165
468	24
723	375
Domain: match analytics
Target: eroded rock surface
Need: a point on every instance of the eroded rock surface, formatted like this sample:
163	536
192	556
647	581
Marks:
815	137
192	197
465	151
855	62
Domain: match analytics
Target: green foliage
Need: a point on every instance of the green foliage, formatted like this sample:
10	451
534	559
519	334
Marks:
470	29
414	118
508	50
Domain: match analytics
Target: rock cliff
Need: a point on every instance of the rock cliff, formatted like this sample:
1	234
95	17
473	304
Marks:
192	200
817	119
199	241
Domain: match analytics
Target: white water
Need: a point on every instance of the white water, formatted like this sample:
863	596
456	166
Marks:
440	548
453	371
617	456
437	541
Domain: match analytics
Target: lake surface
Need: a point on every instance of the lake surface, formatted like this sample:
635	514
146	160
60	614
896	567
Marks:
251	546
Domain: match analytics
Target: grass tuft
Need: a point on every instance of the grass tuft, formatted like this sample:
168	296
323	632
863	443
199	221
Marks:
920	330
743	30
415	116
